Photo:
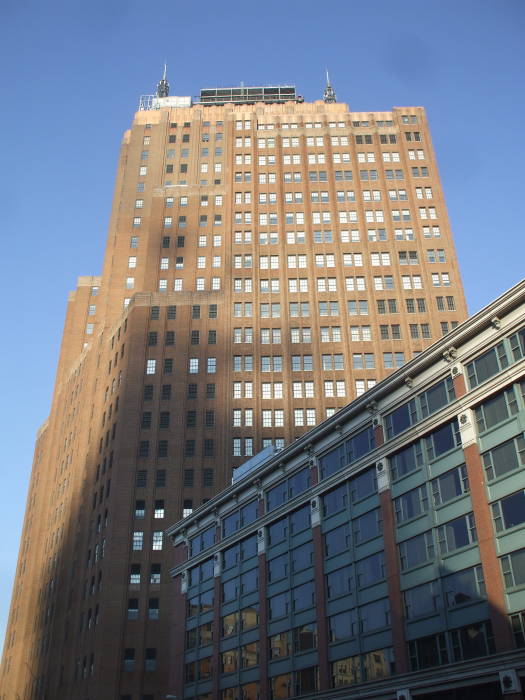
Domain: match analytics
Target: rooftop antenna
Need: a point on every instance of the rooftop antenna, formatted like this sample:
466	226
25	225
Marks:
329	95
163	87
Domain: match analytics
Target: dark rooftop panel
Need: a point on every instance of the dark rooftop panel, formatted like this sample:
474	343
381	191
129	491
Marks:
247	94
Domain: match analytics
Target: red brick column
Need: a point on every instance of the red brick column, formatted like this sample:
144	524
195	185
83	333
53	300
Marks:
314	475
178	638
378	434
177	607
397	614
216	636
460	386
320	612
503	636
264	684
395	598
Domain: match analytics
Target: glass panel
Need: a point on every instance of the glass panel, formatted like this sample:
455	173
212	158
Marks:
513	509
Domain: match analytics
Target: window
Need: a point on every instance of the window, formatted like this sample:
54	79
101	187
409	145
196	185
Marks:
370	570
503	458
134	574
450	485
457	533
422	600
496	409
487	365
464	587
513	568
129	660
416	550
137	541
151	366
509	511
411	504
393	360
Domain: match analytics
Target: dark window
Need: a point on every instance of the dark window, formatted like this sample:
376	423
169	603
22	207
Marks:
172	138
209	448
212	311
337	540
164	419
153	610
487	365
210	391
133	608
192	391
278	605
165	241
303	596
196	311
162	448
171	312
195	337
457	533
464	586
278	568
335	501
166	392
510	511
188	477
406	460
189	448
212	337
411	504
505	457
442	440
207	477
141	478
363	485
129	659
168	365
155	312
340	582
180	241
496	409
154	576
152	338
300	520
146	420
450	485
150	660
160	477
416	550
301	557
148	392
191	419
517	342
170	338
209	419
143	448
367	526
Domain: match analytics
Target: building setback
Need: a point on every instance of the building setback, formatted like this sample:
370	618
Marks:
381	555
268	260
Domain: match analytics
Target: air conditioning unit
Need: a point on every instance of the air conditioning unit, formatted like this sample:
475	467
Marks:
509	682
403	694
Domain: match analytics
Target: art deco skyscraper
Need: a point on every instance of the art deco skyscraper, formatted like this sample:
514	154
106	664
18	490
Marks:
268	260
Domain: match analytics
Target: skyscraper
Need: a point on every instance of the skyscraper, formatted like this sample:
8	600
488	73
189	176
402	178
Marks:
268	260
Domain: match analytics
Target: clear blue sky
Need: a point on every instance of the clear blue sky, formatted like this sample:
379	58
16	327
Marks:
71	76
